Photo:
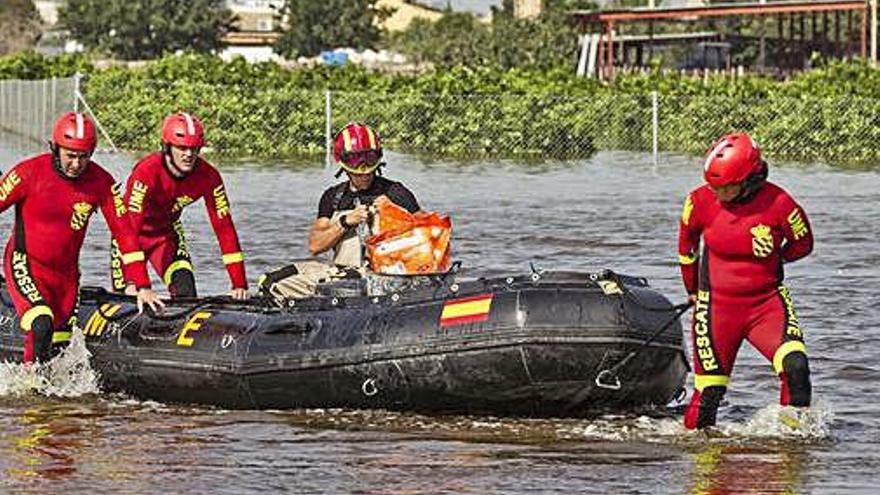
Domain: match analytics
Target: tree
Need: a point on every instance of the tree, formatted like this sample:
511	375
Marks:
316	25
457	38
147	29
20	25
549	41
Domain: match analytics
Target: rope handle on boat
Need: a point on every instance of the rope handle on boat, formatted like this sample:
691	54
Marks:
453	269
608	378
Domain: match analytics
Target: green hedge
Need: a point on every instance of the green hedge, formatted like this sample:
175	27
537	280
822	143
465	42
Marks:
264	111
32	65
828	114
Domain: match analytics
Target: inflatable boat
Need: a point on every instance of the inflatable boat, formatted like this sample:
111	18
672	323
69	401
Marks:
536	344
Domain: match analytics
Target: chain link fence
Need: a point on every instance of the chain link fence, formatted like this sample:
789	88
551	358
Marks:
284	122
833	130
28	109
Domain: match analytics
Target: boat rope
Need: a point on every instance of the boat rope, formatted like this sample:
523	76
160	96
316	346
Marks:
608	378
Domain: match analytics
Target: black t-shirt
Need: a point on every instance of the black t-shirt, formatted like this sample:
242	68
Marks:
341	197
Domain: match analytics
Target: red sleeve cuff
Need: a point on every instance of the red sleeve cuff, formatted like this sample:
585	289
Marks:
237	275
137	273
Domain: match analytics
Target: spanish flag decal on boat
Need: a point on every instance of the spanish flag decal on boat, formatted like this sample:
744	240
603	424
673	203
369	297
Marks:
466	310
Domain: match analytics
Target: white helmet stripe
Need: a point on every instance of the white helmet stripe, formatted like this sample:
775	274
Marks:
717	149
80	126
190	125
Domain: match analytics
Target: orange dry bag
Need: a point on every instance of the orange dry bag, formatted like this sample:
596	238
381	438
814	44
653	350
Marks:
409	244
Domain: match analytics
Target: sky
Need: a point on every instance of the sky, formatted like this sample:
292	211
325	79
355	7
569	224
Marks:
477	6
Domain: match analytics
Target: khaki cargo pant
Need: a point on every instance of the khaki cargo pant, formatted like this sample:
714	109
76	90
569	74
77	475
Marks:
300	279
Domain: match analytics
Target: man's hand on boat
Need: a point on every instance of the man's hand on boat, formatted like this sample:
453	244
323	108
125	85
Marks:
151	299
238	294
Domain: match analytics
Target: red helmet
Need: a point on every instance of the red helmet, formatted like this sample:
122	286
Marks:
75	131
356	148
184	130
732	159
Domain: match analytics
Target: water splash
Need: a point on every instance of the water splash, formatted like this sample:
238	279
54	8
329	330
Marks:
782	422
20	379
67	375
772	423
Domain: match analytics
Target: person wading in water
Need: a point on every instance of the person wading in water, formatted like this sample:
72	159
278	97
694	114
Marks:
749	228
159	188
55	195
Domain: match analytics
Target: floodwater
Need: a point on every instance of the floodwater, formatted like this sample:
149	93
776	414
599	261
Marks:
616	211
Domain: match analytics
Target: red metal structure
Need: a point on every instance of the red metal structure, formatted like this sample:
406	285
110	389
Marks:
607	19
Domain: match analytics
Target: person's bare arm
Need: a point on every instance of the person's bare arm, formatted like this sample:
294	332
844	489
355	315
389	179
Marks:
324	235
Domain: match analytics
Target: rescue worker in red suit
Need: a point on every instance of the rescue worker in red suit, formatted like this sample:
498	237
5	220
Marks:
54	195
159	188
749	228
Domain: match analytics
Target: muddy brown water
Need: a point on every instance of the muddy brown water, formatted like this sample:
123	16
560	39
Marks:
616	211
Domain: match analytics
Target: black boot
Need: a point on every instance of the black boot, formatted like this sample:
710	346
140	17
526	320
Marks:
797	376
42	331
183	284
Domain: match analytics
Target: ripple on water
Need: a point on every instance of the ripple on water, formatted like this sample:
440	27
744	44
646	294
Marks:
614	211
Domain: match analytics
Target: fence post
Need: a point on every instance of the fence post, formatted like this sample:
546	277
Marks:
655	123
19	104
328	122
2	103
76	91
42	126
54	94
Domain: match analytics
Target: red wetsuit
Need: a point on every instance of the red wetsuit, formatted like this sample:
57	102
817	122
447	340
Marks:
156	199
740	296
41	261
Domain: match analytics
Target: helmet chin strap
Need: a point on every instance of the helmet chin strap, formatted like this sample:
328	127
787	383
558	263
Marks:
753	183
56	158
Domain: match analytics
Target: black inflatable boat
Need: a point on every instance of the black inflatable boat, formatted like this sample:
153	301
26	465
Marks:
528	345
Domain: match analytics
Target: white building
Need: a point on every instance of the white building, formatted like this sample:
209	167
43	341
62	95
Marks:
48	10
256	15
